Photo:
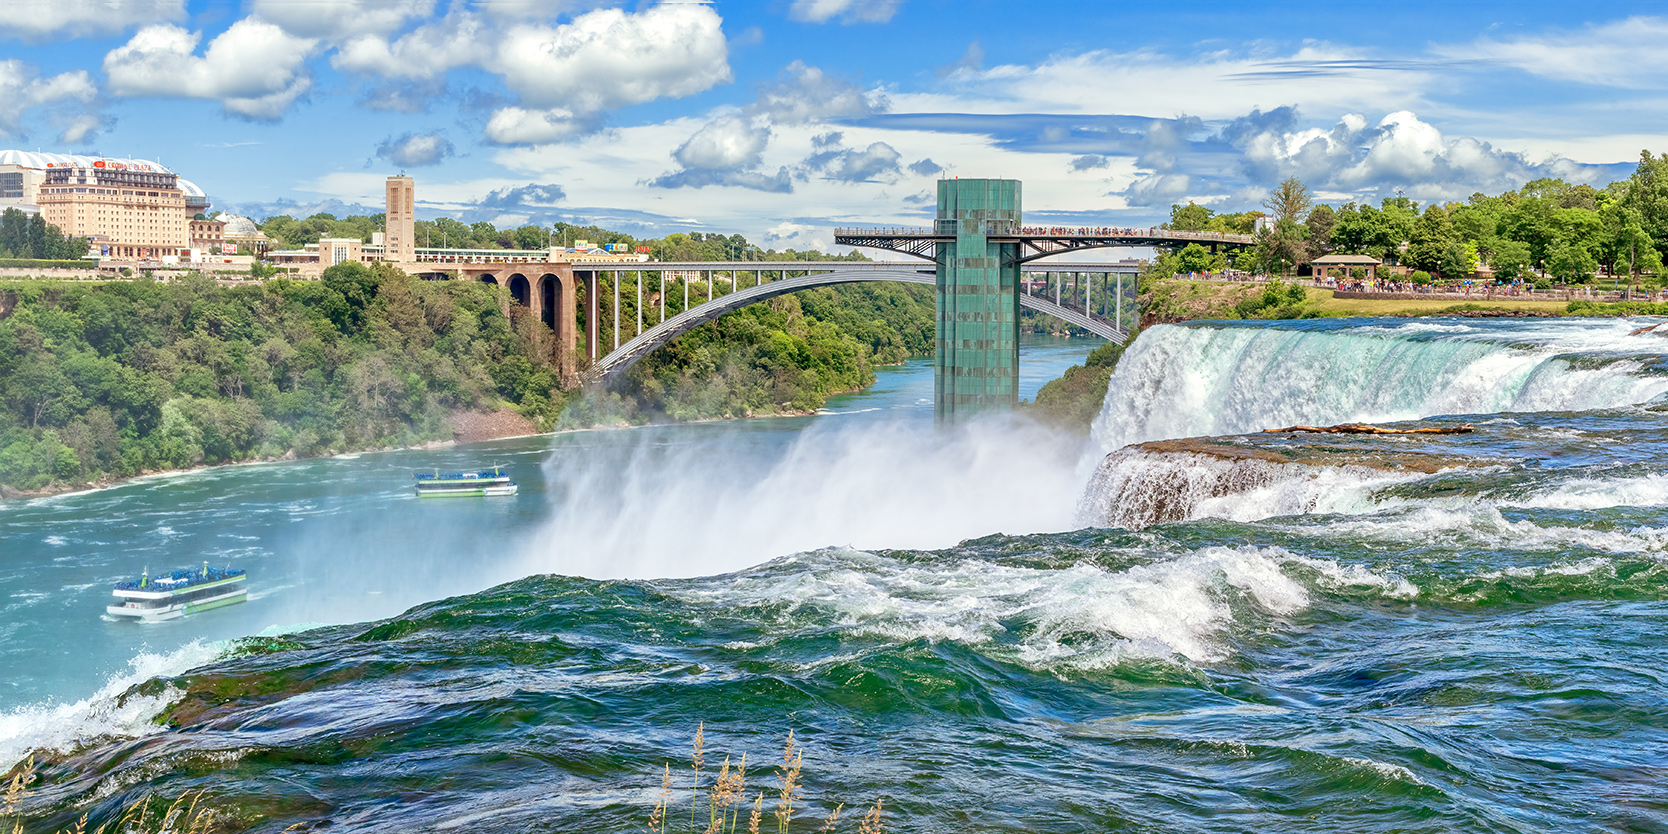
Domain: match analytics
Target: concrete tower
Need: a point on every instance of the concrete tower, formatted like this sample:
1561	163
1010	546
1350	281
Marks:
400	243
977	348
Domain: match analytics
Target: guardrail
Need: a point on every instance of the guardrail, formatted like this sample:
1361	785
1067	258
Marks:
1054	231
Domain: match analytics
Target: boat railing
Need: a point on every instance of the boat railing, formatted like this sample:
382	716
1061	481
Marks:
180	579
460	476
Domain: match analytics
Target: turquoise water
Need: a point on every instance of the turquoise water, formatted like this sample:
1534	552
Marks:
982	627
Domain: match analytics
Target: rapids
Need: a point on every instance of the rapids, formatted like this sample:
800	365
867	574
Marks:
996	627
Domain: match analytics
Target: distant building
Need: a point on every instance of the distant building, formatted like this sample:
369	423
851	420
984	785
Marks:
127	208
242	233
400	241
208	235
1339	267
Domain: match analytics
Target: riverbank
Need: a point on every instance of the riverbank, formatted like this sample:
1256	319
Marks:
467	427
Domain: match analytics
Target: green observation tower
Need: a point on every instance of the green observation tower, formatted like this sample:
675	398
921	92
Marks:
977	350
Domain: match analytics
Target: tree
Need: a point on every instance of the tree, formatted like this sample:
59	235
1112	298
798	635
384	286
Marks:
1510	260
1193	258
37	237
1432	236
1289	200
1459	259
14	233
1571	262
1320	221
1282	248
1190	218
1647	193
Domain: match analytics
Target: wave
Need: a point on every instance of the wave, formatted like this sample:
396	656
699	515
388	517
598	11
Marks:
1076	618
1210	379
115	710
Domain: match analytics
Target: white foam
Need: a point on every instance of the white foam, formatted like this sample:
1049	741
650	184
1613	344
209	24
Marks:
1601	493
1055	620
62	727
1482	526
1386	770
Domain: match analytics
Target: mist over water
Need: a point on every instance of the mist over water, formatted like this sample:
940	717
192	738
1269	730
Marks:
646	507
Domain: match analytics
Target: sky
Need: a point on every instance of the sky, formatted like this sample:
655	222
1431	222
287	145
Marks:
784	119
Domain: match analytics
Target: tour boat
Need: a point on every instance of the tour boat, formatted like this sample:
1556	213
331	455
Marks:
492	481
153	599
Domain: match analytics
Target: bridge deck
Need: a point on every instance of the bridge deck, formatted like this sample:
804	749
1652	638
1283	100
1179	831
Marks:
834	266
1038	241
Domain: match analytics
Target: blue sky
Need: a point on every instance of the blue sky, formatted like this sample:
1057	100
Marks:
782	119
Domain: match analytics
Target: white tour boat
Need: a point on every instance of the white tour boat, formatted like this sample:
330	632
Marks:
178	594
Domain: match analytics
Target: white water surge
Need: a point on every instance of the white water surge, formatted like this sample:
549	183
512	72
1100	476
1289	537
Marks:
1215	379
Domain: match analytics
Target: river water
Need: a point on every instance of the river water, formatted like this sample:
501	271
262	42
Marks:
994	628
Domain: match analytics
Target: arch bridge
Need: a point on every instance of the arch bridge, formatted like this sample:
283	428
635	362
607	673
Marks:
1104	316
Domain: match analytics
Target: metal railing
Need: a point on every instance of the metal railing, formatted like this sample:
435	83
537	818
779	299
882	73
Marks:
1001	228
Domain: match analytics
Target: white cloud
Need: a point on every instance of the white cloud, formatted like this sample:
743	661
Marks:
1624	53
333	18
725	151
878	162
607	59
414	150
80	128
724	144
1218	85
805	94
521	126
41	19
1400	151
427	52
849	11
563	75
254	68
23	90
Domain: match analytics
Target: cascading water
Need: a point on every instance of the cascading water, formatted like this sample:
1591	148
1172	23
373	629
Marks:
1215	378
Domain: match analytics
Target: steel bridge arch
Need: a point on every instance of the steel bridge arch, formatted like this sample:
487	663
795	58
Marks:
609	368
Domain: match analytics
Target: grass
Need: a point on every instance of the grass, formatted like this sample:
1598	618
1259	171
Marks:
182	816
725	803
726	796
1329	305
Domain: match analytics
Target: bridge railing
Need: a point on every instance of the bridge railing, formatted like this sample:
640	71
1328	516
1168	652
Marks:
1054	231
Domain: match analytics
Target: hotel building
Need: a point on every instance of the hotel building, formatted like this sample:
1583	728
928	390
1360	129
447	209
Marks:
128	209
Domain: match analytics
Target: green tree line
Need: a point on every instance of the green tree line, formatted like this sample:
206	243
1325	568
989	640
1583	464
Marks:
1548	229
30	236
116	379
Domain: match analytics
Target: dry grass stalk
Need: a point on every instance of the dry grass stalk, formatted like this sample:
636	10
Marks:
792	760
870	823
697	762
726	792
657	819
833	818
754	818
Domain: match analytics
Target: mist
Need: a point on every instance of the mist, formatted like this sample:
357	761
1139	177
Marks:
714	499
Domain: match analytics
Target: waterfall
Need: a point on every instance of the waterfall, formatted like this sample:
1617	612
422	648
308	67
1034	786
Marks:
1217	378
